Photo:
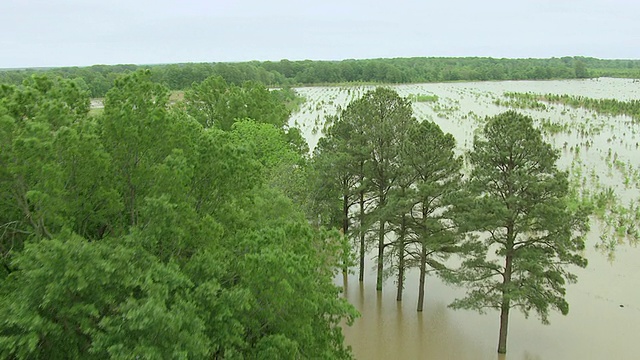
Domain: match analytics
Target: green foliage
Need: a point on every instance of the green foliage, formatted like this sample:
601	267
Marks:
423	98
216	103
603	106
386	120
519	211
71	298
580	69
290	98
427	206
98	79
366	139
141	233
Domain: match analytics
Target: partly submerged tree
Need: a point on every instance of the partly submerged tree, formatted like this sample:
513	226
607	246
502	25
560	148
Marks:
339	183
428	154
387	117
528	236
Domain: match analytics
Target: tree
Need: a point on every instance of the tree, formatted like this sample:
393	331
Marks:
205	101
288	271
214	102
386	117
49	155
339	161
363	145
135	131
72	298
580	69
398	212
428	153
519	212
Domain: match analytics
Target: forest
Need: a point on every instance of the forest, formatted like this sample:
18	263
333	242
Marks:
98	79
156	231
207	222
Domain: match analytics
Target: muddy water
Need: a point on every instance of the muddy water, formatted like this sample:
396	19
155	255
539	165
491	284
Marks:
597	327
604	317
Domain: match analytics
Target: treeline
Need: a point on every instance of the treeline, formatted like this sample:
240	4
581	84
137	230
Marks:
98	79
395	186
160	231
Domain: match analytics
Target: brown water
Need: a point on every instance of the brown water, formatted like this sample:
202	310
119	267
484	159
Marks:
597	327
604	316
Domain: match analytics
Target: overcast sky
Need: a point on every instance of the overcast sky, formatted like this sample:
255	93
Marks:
86	32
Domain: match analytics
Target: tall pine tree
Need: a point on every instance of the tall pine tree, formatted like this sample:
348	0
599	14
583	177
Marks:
528	235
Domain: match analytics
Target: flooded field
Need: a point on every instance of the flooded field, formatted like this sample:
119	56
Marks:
602	154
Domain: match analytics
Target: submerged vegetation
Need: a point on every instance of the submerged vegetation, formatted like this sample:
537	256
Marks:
602	106
620	221
423	97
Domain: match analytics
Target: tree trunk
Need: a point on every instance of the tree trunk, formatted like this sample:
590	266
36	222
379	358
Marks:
345	224
380	255
423	273
401	246
504	308
423	260
361	276
506	281
504	323
345	215
345	283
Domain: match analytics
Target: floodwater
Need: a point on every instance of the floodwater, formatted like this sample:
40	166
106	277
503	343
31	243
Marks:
603	320
599	151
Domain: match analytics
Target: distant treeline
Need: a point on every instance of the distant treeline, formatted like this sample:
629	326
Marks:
98	79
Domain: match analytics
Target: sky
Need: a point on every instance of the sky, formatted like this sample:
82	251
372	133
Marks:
43	33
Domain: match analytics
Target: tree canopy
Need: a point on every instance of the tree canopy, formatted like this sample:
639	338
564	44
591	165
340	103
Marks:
144	232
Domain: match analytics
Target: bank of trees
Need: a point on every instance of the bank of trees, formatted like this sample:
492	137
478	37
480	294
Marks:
395	186
98	79
159	231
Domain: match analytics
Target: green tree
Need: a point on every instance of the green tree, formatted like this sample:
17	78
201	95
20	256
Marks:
521	210
214	102
580	69
71	298
43	183
398	213
204	101
135	132
339	162
288	270
428	154
386	118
